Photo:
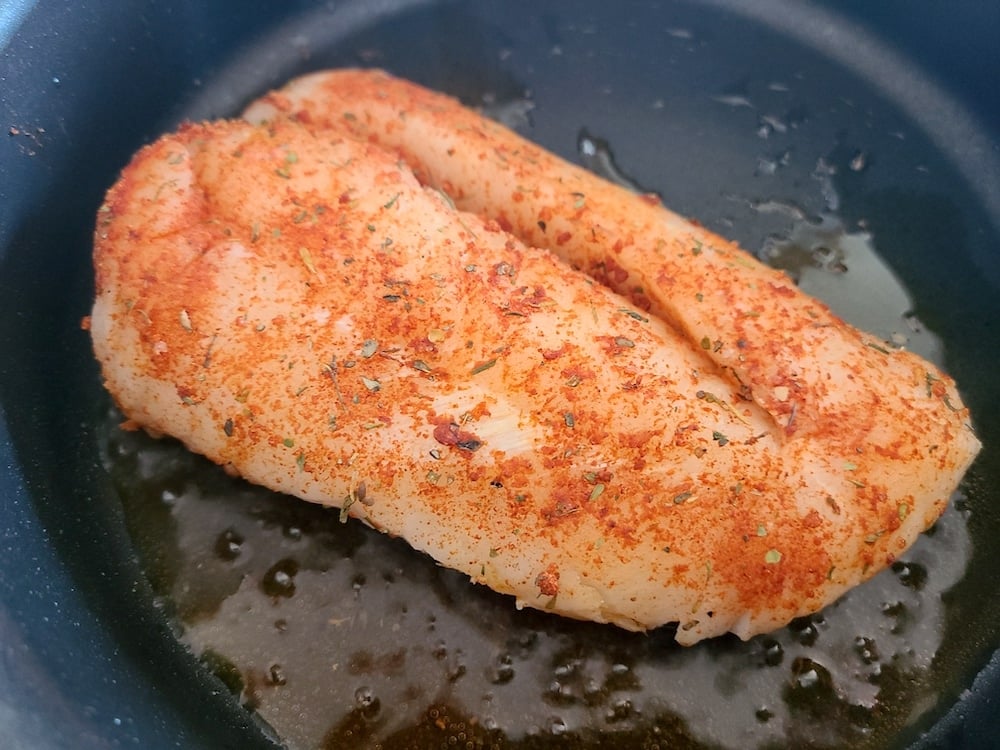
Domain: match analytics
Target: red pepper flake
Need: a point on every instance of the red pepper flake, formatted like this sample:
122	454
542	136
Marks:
548	581
550	354
782	290
448	433
423	345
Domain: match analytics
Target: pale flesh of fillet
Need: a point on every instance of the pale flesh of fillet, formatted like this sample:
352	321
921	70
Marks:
715	450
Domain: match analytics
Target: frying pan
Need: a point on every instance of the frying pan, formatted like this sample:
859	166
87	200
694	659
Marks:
764	120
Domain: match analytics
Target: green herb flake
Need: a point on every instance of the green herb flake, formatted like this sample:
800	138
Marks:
569	419
392	201
624	342
494	552
903	510
283	173
590	476
700	297
288	443
520	497
255	231
483	366
772	557
573	381
300	461
446	198
633	314
856	483
348	502
719	438
682	497
433	476
371	227
307	260
371	384
876	347
850	466
596	492
227	428
930	379
697	249
761	530
419	364
368	348
579	200
874	537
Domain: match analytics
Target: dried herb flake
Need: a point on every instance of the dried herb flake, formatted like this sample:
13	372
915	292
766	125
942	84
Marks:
483	366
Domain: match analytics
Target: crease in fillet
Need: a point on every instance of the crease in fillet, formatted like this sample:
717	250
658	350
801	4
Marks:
380	301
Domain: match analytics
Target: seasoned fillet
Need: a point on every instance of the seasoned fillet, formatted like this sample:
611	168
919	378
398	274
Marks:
302	302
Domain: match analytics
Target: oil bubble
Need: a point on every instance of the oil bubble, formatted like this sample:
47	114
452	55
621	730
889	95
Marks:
558	727
559	694
774	654
229	545
502	671
811	689
620	710
594	693
368	704
276	675
805	632
912	575
866	650
279	580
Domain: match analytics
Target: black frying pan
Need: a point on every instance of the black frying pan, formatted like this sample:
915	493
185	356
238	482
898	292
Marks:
797	132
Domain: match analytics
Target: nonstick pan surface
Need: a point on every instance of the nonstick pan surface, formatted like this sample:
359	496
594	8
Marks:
147	600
